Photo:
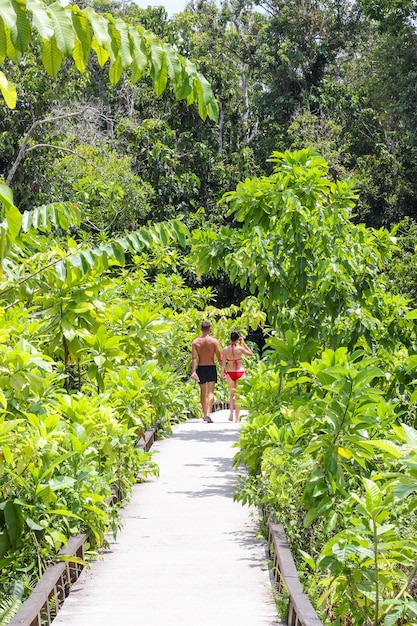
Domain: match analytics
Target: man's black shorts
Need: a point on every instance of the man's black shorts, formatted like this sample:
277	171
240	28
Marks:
207	374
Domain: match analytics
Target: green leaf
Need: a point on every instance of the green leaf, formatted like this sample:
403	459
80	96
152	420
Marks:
61	270
174	66
394	617
82	45
45	494
308	559
410	435
63	32
14	222
3	241
367	375
161	80
102	54
343	552
373	495
412	606
156	54
3	401
114	44
90	258
3	42
387	446
116	70
61	482
82	307
14	523
124	48
6	196
405	489
20	33
118	253
64	512
139	58
52	57
79	261
8	13
69	558
4	543
11	50
17	381
316	512
207	105
33	525
8	90
100	27
181	231
41	18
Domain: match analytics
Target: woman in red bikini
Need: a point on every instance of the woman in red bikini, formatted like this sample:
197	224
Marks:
232	368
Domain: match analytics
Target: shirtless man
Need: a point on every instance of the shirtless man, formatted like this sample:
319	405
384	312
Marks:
204	371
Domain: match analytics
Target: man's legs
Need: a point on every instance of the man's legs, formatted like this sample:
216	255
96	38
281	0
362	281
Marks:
207	399
203	398
210	396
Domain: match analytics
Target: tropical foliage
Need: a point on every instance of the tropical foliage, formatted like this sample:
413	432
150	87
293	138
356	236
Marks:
330	438
70	32
100	296
94	351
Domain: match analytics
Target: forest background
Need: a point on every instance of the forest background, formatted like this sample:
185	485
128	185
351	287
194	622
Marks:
90	163
335	76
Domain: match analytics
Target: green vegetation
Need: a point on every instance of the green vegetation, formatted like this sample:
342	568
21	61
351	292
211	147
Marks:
128	232
331	434
95	349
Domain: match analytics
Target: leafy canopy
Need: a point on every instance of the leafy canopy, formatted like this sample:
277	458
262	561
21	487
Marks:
71	32
297	249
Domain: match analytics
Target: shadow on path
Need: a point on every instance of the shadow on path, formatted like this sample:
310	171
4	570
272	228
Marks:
215	435
188	554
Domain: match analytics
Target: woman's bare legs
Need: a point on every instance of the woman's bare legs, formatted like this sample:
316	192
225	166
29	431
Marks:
232	390
237	412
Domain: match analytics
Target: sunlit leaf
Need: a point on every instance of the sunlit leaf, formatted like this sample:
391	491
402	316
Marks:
41	18
63	30
8	91
52	57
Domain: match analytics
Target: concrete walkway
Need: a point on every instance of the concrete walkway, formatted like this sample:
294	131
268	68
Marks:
187	554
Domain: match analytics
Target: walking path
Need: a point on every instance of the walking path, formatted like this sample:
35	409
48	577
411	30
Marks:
188	555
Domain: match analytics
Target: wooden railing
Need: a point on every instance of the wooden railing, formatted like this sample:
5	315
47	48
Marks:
301	611
43	604
49	594
147	440
220	406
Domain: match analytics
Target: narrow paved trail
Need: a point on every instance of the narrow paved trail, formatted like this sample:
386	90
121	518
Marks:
187	555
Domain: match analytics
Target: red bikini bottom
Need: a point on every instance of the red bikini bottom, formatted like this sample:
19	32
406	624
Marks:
236	375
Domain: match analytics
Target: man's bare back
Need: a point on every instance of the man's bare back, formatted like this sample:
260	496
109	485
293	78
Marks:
206	348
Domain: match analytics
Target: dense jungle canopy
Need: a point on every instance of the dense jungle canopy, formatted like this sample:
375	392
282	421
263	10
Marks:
338	76
254	164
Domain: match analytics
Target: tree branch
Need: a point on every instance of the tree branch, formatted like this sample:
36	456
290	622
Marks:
25	278
24	147
51	145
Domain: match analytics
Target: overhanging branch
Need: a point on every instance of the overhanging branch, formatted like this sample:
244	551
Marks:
24	149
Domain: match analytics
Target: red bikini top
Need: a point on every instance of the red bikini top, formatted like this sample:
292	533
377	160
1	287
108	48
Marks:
236	361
